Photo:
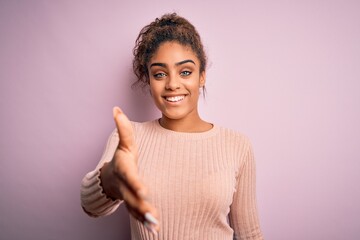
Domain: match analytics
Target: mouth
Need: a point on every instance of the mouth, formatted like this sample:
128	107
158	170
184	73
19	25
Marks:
174	98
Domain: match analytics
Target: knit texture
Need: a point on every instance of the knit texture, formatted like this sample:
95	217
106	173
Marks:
203	184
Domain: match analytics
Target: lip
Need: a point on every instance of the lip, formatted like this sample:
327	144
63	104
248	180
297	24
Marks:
174	95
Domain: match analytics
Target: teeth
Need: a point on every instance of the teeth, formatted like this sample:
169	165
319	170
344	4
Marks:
175	99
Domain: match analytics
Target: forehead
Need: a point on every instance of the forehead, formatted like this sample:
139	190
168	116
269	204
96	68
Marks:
173	52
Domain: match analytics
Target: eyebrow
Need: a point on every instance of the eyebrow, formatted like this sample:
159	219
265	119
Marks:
176	64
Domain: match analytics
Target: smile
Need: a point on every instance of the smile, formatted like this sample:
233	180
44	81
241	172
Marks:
175	98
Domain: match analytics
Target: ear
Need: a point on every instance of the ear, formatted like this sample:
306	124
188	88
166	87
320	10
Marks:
202	79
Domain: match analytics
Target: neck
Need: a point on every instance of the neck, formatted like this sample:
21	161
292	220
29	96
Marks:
195	124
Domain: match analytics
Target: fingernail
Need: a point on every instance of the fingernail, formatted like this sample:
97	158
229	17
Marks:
150	218
115	110
150	228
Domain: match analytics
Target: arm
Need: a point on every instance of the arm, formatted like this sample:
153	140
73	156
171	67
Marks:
243	211
115	179
93	199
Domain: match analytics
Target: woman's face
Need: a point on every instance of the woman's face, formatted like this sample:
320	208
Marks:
175	79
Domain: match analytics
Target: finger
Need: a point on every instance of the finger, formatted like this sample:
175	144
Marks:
154	228
140	206
133	183
140	209
124	128
134	213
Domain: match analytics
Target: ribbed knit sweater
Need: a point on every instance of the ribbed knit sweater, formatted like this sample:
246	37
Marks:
202	184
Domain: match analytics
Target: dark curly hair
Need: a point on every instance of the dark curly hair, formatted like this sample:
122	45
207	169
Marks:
170	27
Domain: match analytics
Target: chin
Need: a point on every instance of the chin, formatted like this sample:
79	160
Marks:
174	115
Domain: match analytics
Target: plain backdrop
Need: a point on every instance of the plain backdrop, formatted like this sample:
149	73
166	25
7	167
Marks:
285	73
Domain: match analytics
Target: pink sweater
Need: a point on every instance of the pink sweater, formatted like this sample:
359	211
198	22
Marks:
203	184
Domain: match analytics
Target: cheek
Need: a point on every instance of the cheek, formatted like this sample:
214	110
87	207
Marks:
152	87
155	91
194	88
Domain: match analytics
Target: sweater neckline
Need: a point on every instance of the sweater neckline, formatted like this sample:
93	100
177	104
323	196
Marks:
187	135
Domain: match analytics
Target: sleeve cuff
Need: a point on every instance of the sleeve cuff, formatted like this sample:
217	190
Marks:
93	199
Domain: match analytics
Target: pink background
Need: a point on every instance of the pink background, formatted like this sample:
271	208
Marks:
286	73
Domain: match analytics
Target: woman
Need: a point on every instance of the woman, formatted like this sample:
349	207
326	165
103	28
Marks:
199	177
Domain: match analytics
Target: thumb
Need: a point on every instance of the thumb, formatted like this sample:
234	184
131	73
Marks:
124	128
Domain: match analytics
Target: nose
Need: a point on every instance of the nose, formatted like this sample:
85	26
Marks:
173	82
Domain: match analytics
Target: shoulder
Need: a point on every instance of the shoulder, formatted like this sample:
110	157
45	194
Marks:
235	141
233	135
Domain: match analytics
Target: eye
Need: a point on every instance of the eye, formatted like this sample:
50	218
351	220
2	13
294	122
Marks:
159	75
185	73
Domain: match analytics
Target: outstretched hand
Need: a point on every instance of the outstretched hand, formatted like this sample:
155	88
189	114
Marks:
120	177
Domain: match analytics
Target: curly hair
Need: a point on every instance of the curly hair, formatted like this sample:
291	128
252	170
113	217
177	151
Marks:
168	28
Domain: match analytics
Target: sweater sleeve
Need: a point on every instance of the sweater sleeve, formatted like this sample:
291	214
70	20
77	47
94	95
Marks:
93	199
243	215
